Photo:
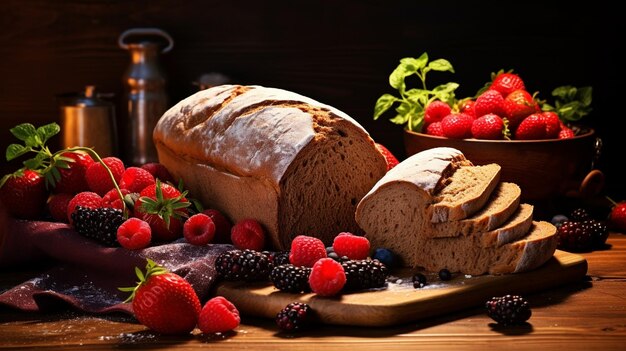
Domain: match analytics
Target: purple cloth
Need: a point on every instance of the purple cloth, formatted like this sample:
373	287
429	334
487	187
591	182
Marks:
86	275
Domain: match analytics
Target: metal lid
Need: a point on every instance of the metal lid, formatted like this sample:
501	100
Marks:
88	98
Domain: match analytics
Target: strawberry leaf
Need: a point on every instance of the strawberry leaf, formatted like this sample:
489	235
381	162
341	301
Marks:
15	151
48	131
23	131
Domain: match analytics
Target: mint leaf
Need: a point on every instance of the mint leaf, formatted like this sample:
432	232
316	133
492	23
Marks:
47	131
441	65
383	104
419	96
15	150
23	131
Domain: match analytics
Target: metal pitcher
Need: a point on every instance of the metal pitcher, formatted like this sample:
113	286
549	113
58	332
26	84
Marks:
144	83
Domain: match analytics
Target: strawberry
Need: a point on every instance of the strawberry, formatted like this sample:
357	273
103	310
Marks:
434	129
87	199
163	207
136	179
73	179
553	124
532	127
436	111
392	161
57	206
164	301
488	126
223	225
199	229
99	179
518	105
566	133
506	83
617	216
218	315
24	194
248	234
457	125
134	234
490	101
158	170
467	106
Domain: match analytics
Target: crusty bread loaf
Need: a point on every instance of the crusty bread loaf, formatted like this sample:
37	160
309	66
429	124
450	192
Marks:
294	164
397	214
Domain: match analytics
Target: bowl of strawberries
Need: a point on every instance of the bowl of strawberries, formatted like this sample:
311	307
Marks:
542	146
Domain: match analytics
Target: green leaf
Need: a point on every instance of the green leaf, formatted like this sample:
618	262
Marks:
441	65
584	95
416	124
49	130
407	66
418	96
383	104
15	151
400	119
23	131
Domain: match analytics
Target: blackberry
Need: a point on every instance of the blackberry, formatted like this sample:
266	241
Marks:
580	214
279	257
575	236
419	280
290	278
508	309
364	274
99	224
247	265
294	316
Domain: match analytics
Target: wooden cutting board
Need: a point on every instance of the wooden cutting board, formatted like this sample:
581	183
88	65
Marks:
400	302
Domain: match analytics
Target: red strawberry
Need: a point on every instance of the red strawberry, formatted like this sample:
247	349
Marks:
354	247
467	106
532	127
518	105
163	207
73	179
553	124
158	170
218	315
566	133
506	83
24	194
57	206
223	225
436	111
164	301
87	199
199	229
306	250
248	234
434	129
99	179
327	277
392	161
136	179
489	126
491	101
134	234
617	217
457	125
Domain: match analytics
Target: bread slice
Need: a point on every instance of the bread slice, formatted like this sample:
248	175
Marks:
504	201
468	255
515	228
465	192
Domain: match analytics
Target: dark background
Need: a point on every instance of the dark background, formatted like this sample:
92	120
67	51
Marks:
338	52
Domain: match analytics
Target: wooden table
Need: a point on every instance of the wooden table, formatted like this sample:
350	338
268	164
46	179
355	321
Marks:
588	315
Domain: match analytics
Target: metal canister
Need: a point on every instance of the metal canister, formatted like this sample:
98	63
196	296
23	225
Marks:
86	120
145	93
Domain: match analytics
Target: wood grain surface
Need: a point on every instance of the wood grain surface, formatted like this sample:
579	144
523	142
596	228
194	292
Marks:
589	314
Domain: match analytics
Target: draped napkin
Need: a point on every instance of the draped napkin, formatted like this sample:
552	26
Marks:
86	275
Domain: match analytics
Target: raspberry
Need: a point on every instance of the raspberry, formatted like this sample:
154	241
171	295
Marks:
294	316
327	277
57	206
73	178
159	171
99	179
218	315
436	111
86	199
199	229
223	225
306	250
112	199
248	234
352	246
134	234
135	179
508	309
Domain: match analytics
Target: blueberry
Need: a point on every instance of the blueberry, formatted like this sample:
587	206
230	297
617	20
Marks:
419	280
557	220
445	274
385	256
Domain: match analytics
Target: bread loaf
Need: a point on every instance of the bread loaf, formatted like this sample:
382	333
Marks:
296	165
496	237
